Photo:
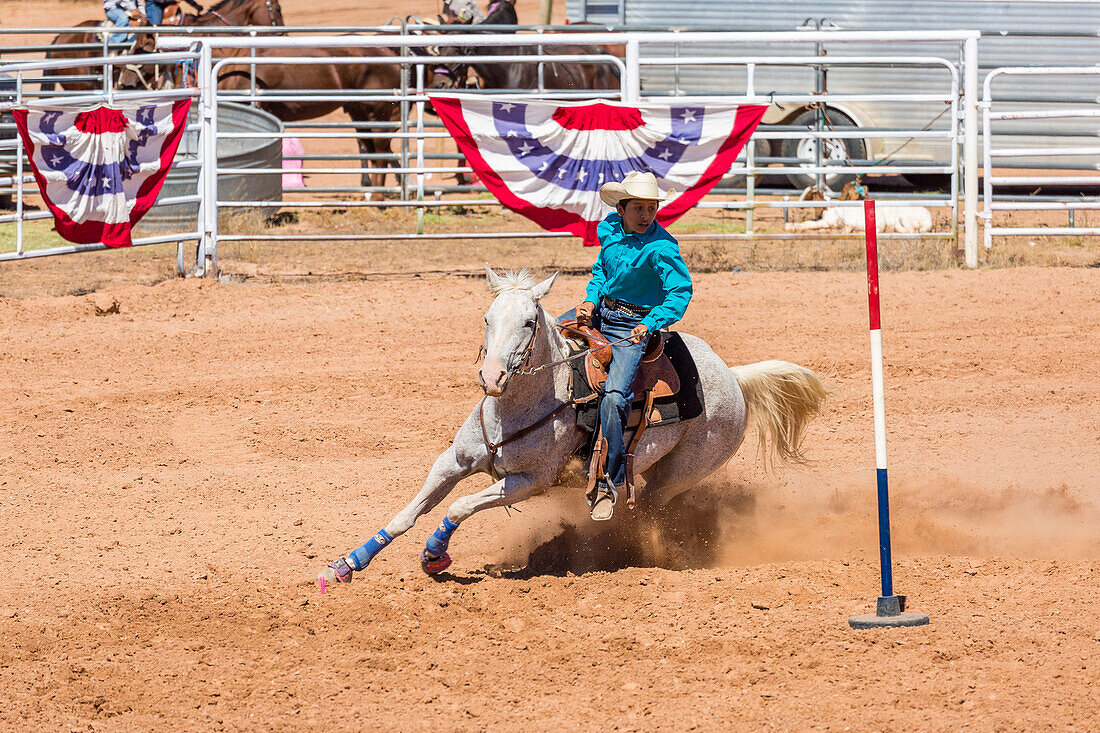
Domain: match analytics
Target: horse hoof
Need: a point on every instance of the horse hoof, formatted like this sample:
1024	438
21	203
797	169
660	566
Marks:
433	565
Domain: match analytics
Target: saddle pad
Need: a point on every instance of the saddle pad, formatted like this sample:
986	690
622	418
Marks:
684	405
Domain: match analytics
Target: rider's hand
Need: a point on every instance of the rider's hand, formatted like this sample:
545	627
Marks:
584	313
639	333
133	15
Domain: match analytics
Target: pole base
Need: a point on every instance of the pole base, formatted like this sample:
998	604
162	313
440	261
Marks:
889	613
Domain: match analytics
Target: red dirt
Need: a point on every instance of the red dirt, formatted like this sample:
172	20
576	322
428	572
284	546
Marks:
176	475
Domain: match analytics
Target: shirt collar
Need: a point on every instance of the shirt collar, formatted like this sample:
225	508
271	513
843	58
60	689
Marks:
643	237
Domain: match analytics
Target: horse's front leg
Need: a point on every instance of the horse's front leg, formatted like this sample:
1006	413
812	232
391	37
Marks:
509	490
448	470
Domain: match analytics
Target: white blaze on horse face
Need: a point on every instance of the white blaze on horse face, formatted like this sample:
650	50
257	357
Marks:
509	328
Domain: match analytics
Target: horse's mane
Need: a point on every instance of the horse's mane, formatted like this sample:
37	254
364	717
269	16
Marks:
512	280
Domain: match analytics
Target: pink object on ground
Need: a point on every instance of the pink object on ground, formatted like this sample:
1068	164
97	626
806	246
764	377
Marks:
292	146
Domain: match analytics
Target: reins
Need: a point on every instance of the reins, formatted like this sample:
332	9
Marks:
578	355
491	447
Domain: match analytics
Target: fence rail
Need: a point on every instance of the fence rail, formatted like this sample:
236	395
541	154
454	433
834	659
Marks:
993	110
18	180
414	160
821	148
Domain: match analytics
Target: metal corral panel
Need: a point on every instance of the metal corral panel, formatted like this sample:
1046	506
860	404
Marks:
992	18
251	153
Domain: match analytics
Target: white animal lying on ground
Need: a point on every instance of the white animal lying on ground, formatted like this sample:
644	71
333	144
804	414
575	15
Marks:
901	219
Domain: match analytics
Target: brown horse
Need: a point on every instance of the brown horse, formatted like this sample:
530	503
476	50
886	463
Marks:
227	12
322	76
522	75
556	75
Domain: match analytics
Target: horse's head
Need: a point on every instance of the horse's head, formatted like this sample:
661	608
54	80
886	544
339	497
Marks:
452	75
139	76
511	327
449	76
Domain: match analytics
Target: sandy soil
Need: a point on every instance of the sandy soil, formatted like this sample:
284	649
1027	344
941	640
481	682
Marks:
176	474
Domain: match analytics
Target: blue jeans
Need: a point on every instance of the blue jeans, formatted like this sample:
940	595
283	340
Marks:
154	11
619	390
121	20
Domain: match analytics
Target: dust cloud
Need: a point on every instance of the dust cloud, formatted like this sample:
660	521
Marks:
808	517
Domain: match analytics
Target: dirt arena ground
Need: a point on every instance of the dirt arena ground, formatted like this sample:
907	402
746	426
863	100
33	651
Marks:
175	474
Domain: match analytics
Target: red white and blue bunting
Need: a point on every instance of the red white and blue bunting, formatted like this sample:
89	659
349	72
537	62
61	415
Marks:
100	168
547	160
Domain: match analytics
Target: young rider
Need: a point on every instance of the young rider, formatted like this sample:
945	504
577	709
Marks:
120	12
639	285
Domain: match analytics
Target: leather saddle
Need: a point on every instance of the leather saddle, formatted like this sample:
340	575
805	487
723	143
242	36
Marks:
656	378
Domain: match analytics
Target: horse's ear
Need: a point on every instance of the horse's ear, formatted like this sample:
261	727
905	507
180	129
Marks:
491	278
540	290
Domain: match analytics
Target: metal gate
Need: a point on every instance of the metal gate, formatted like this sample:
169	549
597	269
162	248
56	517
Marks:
1029	117
15	177
414	167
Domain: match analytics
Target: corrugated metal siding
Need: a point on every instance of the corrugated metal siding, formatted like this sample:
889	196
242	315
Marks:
984	15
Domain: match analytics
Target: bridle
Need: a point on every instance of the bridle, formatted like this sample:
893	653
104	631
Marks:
525	361
525	369
457	71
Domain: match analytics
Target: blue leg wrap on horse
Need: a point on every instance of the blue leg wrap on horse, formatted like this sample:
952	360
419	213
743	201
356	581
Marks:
437	543
363	554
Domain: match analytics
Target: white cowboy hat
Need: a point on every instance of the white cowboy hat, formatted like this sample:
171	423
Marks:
635	186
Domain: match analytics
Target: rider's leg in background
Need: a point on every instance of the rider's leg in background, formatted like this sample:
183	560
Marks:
619	390
120	20
154	12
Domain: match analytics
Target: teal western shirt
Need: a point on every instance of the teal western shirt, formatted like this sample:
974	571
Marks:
642	269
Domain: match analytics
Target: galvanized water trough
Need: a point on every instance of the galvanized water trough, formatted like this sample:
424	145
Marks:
232	153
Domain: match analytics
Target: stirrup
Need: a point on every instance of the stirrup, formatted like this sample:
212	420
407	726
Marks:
601	500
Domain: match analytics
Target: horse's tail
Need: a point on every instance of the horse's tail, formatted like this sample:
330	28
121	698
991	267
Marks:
780	400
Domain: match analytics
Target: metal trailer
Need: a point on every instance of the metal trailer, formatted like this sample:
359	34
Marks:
1014	33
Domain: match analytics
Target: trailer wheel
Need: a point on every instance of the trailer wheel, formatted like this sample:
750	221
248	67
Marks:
761	149
835	149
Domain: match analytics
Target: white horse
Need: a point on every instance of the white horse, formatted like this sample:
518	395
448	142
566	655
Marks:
777	397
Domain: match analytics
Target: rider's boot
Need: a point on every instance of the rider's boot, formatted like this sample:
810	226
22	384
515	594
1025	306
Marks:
602	499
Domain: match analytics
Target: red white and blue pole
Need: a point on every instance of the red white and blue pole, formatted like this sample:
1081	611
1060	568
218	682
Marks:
889	610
